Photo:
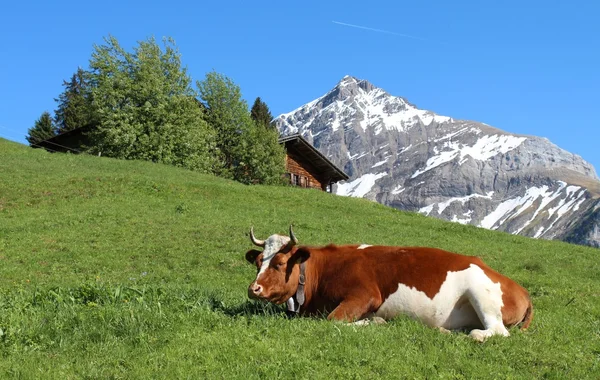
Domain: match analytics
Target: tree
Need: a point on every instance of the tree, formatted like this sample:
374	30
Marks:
74	106
146	108
265	157
250	153
227	115
42	129
261	114
268	153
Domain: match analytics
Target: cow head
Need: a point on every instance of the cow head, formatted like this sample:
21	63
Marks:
277	266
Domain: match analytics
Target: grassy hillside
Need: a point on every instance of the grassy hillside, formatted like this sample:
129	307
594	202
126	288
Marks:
116	269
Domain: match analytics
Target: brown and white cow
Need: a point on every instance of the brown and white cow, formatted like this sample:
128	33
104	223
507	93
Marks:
353	282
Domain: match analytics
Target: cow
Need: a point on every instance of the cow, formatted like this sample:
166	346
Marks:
354	283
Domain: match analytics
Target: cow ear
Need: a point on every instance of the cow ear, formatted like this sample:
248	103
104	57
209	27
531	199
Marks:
251	255
300	256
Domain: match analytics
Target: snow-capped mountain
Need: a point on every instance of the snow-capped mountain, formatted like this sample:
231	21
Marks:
459	170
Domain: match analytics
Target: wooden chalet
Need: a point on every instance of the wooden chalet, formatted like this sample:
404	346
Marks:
307	167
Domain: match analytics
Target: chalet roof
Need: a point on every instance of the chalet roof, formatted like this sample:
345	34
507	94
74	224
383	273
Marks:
69	141
314	157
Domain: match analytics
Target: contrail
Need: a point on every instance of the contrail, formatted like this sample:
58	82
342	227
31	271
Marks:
379	30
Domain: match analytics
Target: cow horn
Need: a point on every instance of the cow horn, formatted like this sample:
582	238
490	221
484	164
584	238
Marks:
260	243
293	238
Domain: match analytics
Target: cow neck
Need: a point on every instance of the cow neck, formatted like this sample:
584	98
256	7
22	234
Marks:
297	300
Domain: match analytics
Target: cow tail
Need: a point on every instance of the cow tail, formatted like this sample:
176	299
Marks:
528	316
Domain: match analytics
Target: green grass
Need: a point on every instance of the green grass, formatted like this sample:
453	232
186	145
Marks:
120	269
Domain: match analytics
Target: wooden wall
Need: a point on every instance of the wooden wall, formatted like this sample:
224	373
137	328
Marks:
307	175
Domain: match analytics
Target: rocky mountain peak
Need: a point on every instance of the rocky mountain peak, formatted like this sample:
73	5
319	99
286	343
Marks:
465	171
352	84
350	89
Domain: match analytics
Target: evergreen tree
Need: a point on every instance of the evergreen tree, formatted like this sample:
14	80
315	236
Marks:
42	129
261	114
250	152
74	107
146	108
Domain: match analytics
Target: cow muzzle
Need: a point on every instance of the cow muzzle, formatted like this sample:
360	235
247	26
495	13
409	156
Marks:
254	291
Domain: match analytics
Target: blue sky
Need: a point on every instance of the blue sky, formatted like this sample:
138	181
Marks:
525	67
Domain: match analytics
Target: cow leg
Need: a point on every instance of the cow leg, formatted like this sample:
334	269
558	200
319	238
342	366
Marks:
488	306
352	309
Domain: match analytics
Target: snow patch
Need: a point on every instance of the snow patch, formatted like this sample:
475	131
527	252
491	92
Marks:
514	207
427	209
450	135
335	125
466	220
404	149
436	161
490	145
484	148
441	206
379	163
539	232
356	156
547	198
565	205
398	189
316	134
375	106
360	186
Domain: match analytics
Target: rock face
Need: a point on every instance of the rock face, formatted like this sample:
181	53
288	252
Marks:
458	170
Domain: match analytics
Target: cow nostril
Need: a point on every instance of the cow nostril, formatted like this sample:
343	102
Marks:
257	289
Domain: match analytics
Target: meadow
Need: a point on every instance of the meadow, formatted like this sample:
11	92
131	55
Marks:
124	269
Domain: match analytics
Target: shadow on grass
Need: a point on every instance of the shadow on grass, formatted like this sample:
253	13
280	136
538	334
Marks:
248	308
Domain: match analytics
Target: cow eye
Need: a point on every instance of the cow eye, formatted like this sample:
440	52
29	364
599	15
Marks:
280	265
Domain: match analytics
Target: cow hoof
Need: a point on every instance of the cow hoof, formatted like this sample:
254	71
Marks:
478	335
378	320
444	331
368	321
362	322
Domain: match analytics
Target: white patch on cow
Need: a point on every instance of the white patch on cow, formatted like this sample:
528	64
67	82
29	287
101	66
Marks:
363	246
467	298
272	245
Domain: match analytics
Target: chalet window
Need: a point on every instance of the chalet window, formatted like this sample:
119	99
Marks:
298	180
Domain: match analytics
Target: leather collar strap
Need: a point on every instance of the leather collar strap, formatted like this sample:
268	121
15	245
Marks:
296	301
